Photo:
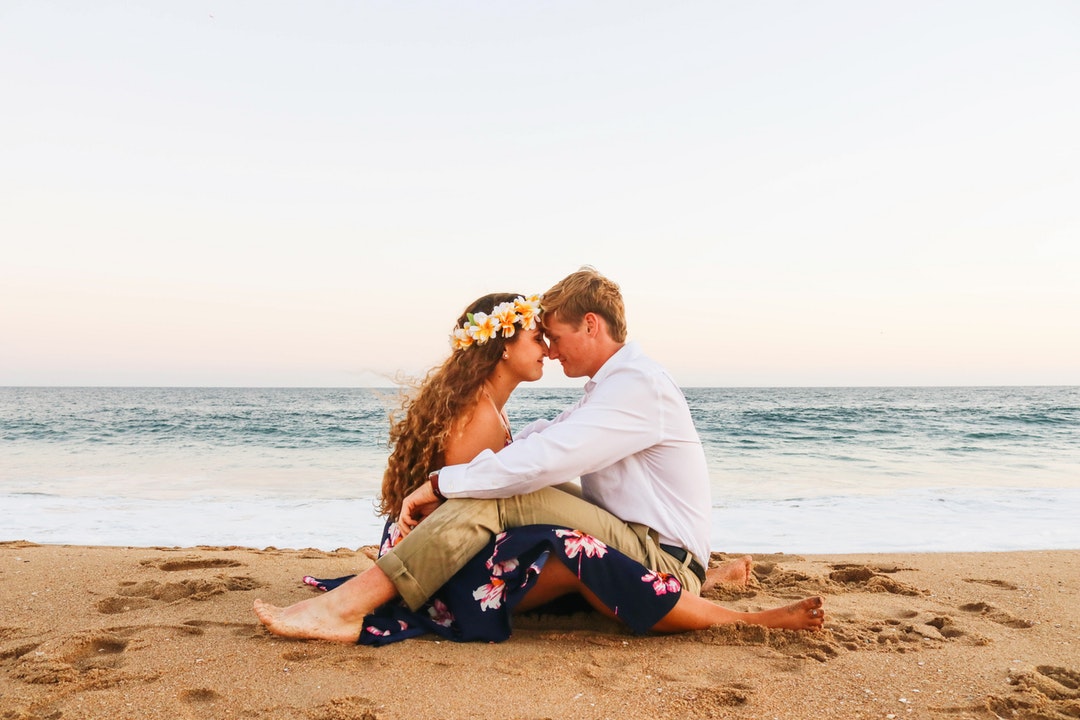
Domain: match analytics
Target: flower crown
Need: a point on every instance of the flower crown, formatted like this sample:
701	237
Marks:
480	327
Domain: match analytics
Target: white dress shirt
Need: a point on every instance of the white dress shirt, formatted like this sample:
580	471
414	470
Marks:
630	439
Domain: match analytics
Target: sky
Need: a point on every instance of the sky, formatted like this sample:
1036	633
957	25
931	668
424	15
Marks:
308	194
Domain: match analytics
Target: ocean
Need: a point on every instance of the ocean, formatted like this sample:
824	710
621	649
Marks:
794	470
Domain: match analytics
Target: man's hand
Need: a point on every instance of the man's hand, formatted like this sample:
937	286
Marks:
420	503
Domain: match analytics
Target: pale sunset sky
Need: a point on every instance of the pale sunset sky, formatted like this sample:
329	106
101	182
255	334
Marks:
307	194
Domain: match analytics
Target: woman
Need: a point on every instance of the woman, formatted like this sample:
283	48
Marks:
455	414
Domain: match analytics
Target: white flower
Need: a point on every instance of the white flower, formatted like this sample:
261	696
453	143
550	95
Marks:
500	569
490	595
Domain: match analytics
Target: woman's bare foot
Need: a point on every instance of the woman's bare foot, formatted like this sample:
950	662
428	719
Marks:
805	614
737	571
337	615
308	620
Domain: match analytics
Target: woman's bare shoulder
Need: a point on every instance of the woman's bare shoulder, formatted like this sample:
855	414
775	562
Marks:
479	428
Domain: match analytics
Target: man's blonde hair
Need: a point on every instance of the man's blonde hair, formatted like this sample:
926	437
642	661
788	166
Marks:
586	291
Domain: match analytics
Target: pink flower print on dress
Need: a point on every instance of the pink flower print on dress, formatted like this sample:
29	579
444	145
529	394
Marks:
581	546
580	542
490	595
662	582
440	614
376	631
500	569
393	537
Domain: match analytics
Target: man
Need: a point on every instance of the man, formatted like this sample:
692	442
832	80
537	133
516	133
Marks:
630	439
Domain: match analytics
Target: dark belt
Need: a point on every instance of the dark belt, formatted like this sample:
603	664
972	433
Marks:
680	554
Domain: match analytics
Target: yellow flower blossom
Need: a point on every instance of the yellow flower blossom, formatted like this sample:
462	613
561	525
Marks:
506	317
461	338
529	310
483	327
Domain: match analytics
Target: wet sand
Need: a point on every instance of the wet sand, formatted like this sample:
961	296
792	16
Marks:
134	632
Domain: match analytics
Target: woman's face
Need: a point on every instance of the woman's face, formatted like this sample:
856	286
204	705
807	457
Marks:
525	355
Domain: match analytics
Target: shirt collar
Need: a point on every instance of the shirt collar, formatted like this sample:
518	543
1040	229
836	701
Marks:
624	355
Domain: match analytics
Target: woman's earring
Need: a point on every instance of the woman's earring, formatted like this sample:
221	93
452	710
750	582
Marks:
505	356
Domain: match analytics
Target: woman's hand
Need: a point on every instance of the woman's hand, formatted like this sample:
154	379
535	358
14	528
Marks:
416	506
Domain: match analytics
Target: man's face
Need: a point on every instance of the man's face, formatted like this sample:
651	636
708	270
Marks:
570	346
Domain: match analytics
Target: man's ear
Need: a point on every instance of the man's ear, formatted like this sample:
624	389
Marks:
592	324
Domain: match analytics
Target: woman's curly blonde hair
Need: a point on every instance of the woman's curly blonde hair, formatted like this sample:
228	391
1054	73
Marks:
420	427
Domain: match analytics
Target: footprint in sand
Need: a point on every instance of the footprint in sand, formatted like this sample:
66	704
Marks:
191	563
799	644
911	631
353	707
137	596
784	583
117	605
890	635
999	616
993	583
707	702
17	652
946	627
100	651
843	578
199	695
1046	691
869	579
198	627
85	655
299	656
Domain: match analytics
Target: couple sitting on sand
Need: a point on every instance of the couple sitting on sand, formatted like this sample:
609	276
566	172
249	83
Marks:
483	525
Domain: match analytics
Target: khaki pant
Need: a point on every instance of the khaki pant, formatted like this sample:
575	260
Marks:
448	538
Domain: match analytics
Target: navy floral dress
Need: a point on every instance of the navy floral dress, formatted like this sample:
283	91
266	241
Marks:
477	602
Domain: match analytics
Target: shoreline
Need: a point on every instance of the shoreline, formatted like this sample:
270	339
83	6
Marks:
1000	519
165	632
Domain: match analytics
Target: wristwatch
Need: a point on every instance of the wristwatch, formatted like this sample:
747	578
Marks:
433	478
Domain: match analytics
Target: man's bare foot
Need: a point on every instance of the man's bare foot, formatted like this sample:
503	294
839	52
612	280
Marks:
805	614
737	571
693	612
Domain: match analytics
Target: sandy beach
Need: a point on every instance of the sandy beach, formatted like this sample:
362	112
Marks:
160	632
